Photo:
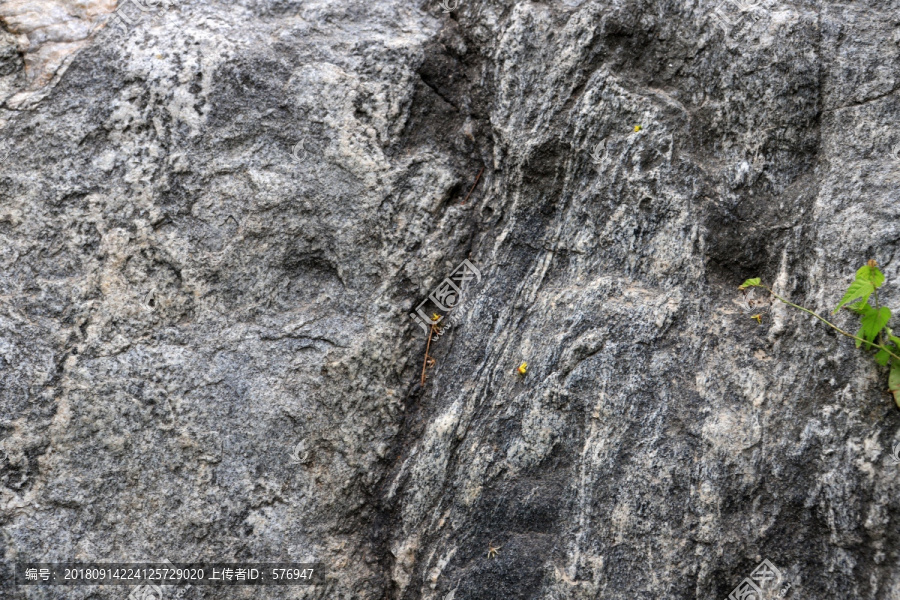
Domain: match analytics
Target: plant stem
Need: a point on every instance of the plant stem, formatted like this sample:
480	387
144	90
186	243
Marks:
877	308
427	347
829	323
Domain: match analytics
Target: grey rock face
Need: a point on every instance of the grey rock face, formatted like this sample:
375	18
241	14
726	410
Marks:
214	226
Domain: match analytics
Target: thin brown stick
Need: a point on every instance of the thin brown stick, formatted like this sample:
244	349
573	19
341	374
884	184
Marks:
427	347
473	185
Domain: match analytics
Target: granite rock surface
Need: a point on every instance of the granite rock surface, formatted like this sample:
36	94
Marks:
216	221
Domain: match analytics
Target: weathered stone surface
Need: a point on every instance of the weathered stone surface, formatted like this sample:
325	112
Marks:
213	227
47	33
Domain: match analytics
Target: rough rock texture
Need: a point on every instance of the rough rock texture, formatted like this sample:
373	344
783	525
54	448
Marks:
44	35
214	226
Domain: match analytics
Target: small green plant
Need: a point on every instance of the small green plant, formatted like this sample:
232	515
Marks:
874	335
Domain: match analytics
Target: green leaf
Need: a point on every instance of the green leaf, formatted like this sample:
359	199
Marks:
857	289
755	282
893	337
894	381
882	357
871	275
873	322
860	307
859	335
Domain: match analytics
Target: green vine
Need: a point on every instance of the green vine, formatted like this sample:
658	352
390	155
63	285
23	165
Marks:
874	335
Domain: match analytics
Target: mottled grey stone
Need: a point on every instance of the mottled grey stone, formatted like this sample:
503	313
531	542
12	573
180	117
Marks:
214	226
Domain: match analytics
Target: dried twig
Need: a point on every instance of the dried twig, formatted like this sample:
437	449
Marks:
473	185
427	347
